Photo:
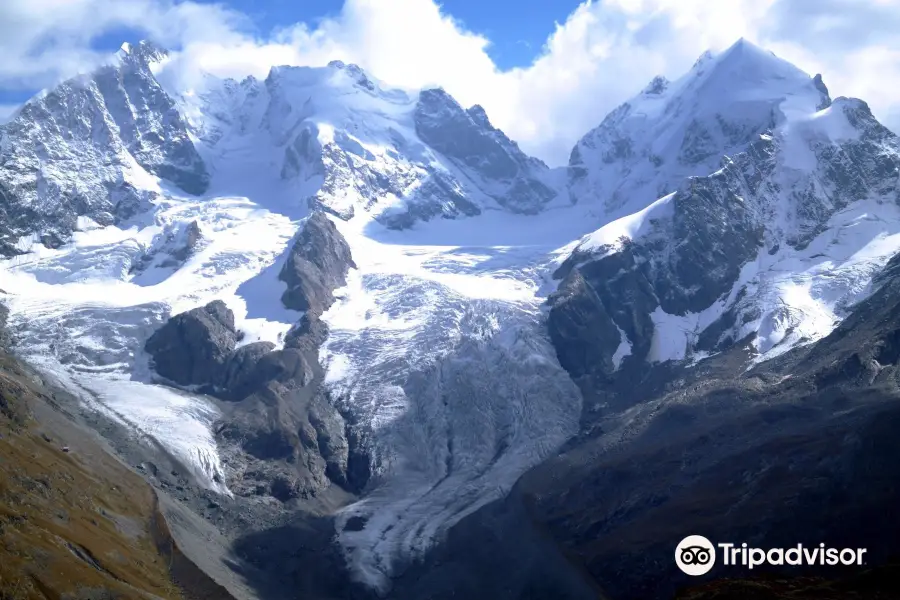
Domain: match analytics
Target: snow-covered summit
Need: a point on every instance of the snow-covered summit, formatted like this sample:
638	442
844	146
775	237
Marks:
437	306
144	53
672	130
737	201
331	137
343	141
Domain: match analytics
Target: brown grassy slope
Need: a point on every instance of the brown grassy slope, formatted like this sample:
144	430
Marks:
76	524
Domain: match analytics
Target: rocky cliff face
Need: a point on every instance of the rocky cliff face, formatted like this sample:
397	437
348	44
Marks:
797	449
317	265
467	138
115	128
194	348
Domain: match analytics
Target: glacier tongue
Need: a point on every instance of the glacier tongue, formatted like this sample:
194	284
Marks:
439	351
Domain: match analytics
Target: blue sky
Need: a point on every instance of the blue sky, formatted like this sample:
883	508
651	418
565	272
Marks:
517	29
543	85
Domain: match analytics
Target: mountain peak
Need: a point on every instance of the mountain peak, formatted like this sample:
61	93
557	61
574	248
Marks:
355	73
144	52
743	44
685	126
746	60
744	49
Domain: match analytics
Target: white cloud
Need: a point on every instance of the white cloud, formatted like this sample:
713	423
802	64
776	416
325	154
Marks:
602	54
42	41
6	111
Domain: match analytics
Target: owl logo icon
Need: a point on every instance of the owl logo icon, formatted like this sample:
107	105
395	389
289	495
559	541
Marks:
695	555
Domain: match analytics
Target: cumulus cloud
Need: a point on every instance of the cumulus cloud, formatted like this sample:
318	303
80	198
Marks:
602	54
42	41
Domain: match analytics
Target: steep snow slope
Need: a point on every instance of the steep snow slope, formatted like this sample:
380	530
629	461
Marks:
335	139
672	130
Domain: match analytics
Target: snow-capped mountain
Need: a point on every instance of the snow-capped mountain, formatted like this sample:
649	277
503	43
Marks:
427	316
86	148
338	140
790	209
682	128
406	358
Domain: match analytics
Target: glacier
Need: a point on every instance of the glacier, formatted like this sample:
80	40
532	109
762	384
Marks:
437	346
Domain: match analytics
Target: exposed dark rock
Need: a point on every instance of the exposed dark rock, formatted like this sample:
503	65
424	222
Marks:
289	366
242	373
191	236
4	315
170	248
317	265
307	335
193	348
285	488
438	196
288	436
801	449
288	432
820	85
468	138
585	336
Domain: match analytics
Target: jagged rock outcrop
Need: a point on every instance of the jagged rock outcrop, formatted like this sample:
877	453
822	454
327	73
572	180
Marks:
170	248
585	335
286	439
243	373
103	127
295	442
195	347
316	266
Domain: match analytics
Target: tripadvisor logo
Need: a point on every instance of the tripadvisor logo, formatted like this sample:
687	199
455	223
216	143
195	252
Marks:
696	555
